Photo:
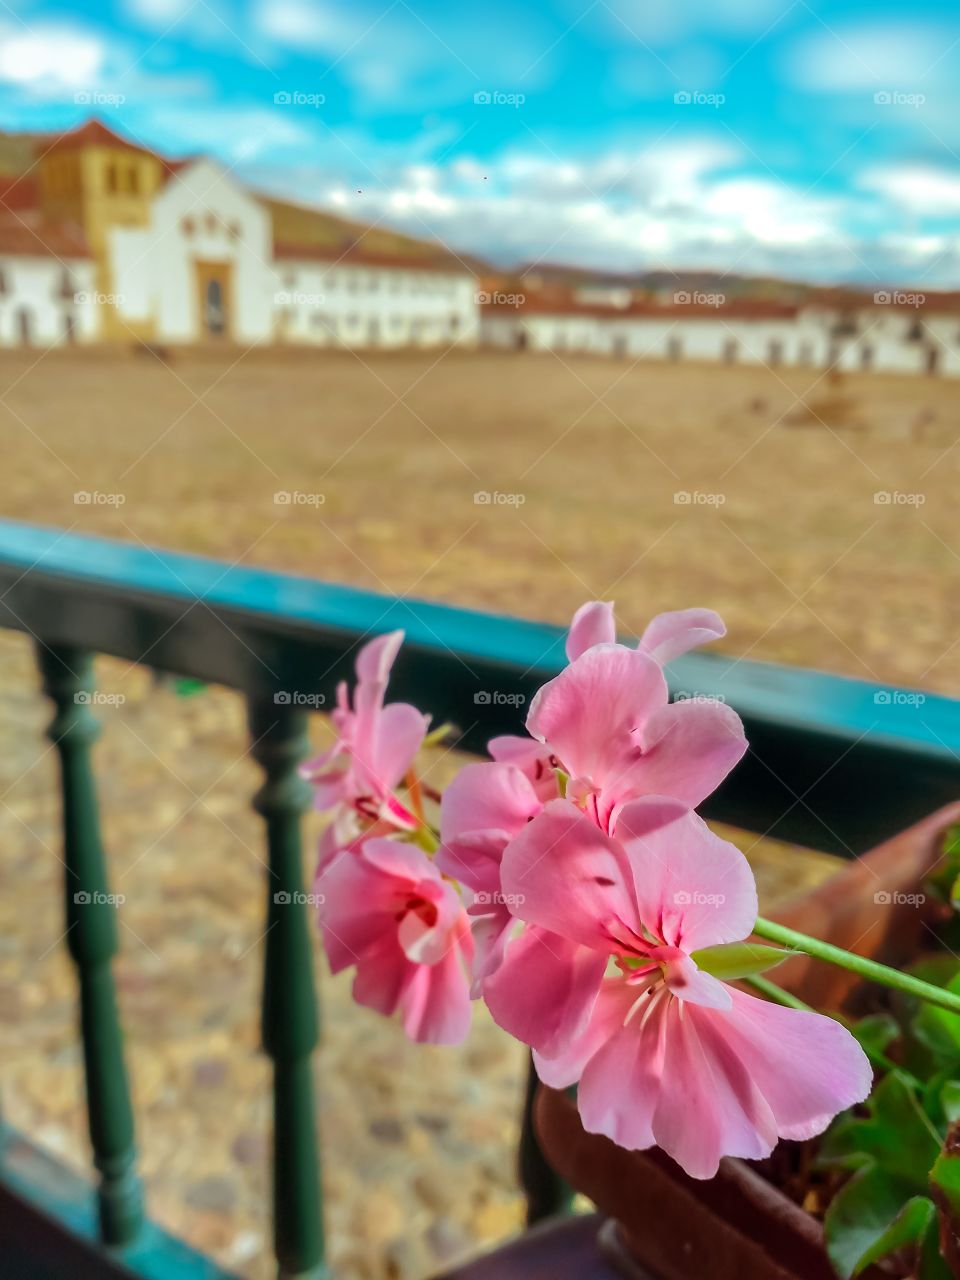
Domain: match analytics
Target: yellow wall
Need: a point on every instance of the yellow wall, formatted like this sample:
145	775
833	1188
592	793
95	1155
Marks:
99	187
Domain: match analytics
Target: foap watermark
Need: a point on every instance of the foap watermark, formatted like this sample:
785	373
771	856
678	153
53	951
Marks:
496	98
898	698
86	298
297	98
897	498
687	695
94	498
295	298
499	299
85	898
696	498
297	698
694	98
498	698
697	298
897	98
896	898
98	98
695	898
297	498
484	498
94	698
298	899
499	899
898	298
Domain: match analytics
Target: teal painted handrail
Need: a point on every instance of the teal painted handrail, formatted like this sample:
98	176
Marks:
290	1021
91	936
834	763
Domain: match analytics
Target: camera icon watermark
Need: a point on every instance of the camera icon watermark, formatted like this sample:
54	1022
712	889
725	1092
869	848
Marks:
895	898
94	498
694	98
896	498
296	98
296	498
696	498
83	898
297	698
498	698
282	898
94	698
898	698
494	98
484	498
696	898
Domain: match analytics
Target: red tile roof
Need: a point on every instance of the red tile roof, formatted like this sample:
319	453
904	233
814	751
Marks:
354	255
94	133
510	301
21	192
29	236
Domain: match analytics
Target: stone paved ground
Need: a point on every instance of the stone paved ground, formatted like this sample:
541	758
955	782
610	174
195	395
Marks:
803	562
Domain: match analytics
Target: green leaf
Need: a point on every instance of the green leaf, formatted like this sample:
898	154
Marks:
876	1032
897	1134
950	1100
732	960
938	1029
860	1214
909	1227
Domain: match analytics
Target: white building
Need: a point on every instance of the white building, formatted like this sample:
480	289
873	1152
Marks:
47	284
892	334
178	252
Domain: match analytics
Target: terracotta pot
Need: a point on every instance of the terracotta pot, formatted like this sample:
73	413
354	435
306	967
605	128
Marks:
738	1226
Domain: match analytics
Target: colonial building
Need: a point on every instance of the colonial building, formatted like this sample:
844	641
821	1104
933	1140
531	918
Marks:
102	239
892	332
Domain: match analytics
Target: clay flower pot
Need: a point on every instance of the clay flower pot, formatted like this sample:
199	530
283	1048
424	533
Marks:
739	1226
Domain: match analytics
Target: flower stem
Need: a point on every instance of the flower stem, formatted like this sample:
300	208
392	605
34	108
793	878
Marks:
868	969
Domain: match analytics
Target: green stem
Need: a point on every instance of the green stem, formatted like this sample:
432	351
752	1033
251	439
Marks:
868	969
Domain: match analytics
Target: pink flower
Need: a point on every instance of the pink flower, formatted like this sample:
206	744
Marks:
484	807
386	909
375	747
666	637
607	722
665	1053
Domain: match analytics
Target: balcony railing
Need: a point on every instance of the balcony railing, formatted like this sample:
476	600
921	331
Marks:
834	763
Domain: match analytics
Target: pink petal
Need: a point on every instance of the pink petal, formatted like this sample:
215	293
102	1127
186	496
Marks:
609	1014
566	875
545	990
532	758
708	1104
400	733
693	889
590	714
484	807
620	1083
670	634
592	624
358	906
807	1066
491	927
688	749
383	971
435	1002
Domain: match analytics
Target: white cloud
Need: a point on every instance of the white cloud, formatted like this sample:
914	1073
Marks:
867	58
926	190
50	57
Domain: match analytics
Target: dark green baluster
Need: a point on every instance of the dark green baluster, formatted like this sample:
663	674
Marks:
91	918
546	1191
290	1021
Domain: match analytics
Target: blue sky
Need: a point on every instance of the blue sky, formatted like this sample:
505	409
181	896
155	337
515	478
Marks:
817	140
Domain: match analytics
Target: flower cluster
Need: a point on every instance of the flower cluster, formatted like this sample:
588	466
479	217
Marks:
573	888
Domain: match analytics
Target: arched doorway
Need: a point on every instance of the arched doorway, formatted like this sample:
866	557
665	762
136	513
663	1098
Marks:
214	299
